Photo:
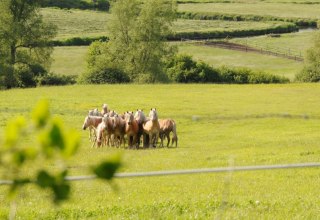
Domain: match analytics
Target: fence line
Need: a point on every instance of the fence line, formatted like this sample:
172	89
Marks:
189	171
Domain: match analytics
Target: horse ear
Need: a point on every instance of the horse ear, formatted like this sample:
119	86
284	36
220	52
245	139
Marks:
151	109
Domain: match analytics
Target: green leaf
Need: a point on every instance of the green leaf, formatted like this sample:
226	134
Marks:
44	179
56	136
72	140
61	192
13	130
41	114
107	169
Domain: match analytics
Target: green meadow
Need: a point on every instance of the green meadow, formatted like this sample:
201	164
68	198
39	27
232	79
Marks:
256	61
272	9
297	42
218	126
71	60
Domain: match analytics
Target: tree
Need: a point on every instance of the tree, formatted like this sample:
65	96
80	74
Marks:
137	42
311	69
24	39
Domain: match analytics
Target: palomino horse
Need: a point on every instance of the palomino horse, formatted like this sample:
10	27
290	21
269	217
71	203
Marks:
103	132
141	119
132	129
152	127
166	127
92	123
105	109
119	129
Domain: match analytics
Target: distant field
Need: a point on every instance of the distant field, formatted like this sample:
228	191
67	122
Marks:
237	124
251	1
299	41
77	23
217	57
276	9
69	60
185	25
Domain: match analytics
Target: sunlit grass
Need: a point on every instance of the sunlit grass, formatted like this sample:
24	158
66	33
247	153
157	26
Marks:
272	9
249	125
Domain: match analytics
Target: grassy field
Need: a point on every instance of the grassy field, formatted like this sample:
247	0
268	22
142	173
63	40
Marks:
217	57
298	42
71	60
276	9
78	23
251	124
184	25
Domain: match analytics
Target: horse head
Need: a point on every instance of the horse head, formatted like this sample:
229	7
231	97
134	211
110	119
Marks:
129	117
85	123
153	115
139	116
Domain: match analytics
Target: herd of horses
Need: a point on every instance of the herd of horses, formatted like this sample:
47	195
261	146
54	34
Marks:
107	128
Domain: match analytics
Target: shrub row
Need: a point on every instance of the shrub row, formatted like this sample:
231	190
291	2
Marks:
281	28
78	41
301	22
103	5
183	69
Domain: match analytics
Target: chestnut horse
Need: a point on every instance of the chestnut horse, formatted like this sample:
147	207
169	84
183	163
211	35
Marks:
152	127
166	127
132	129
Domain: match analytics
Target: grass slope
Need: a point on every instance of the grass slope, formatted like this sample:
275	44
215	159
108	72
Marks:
71	60
217	57
251	124
276	9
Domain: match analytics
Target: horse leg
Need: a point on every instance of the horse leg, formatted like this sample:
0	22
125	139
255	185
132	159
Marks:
168	138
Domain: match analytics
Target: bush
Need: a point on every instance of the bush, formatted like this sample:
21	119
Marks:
183	69
311	69
25	76
302	22
245	75
80	4
79	41
103	76
280	28
55	80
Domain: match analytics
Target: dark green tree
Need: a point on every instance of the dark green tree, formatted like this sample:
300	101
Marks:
137	44
24	40
311	69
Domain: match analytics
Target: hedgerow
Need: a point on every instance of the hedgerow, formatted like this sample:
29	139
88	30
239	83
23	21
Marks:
302	22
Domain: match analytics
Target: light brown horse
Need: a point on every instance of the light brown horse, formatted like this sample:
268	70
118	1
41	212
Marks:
166	127
152	127
141	119
119	129
92	123
132	129
105	109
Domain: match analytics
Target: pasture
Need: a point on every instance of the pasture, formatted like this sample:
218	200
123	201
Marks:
272	9
298	42
71	60
248	124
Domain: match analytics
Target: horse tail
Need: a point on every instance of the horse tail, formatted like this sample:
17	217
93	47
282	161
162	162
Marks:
174	131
